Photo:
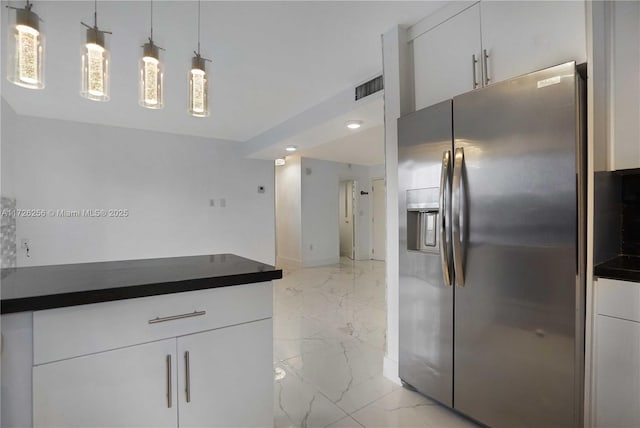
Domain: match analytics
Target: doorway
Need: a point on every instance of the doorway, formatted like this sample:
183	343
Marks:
348	218
378	219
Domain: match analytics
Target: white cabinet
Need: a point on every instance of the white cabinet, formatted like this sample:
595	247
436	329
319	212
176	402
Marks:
618	373
518	37
624	85
122	388
525	36
195	359
237	362
617	356
63	333
444	58
218	378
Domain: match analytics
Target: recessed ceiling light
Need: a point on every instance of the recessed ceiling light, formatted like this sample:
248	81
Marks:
280	162
354	124
291	148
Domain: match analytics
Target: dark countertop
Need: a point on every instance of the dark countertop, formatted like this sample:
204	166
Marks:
46	287
624	268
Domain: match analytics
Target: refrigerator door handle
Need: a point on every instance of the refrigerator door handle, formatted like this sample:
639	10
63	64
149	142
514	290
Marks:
444	189
456	217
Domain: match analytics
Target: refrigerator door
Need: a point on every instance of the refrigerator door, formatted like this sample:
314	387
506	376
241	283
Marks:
518	344
426	300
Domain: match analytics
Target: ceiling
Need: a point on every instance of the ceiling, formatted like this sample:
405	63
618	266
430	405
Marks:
362	148
271	60
332	140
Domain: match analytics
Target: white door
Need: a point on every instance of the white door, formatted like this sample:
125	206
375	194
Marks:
347	219
230	377
443	58
379	220
128	387
525	36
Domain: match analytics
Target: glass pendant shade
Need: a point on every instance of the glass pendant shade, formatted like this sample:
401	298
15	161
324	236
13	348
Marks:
198	88
25	60
151	78
95	66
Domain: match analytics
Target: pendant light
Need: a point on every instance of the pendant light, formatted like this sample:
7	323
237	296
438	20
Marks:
25	46
151	74
95	62
198	83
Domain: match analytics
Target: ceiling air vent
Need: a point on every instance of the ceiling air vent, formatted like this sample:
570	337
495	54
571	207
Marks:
367	88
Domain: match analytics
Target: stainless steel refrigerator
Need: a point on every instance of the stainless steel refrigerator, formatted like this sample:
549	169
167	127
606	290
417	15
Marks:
492	239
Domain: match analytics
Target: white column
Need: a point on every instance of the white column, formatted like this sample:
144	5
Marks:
398	100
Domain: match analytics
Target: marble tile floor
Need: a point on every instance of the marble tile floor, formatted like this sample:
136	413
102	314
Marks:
329	342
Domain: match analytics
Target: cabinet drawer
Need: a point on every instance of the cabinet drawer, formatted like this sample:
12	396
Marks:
618	299
80	330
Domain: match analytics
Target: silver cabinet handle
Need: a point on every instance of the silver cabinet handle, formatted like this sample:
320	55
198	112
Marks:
444	188
169	392
486	67
457	236
187	371
177	317
474	61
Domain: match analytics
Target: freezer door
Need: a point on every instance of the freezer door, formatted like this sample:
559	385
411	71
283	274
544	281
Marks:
426	301
518	345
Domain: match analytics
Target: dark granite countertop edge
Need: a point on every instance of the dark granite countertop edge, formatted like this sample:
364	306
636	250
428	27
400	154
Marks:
610	269
52	301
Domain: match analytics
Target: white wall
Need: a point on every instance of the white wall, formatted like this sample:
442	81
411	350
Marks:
399	100
288	212
377	171
7	123
307	210
165	181
320	210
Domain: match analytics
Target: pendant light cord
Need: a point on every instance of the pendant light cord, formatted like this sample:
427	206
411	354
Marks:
197	53
151	38
95	21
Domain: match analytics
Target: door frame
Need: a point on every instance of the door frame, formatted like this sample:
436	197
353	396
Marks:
354	217
372	212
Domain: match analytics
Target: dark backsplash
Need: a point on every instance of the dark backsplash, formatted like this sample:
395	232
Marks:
607	238
631	214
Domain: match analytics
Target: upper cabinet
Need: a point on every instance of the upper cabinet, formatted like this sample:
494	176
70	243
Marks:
524	36
446	58
624	84
495	40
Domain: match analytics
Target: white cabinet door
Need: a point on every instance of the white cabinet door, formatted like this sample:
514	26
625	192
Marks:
617	373
229	377
625	103
525	36
122	388
443	58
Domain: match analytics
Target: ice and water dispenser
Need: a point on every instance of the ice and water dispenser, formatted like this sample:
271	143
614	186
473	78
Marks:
423	214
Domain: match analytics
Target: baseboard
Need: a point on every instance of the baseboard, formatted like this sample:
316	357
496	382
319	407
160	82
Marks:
286	262
390	370
321	262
